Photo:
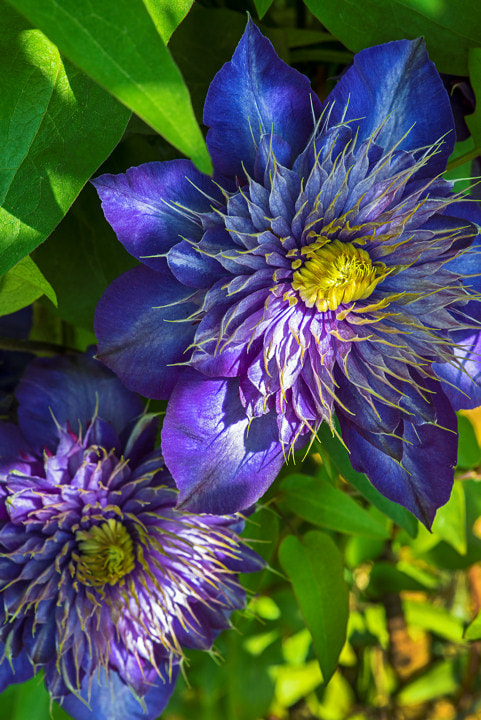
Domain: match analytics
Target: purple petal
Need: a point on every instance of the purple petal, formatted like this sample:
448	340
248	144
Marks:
424	479
253	94
138	335
397	82
468	262
219	463
192	267
18	670
142	206
70	389
12	444
462	382
111	699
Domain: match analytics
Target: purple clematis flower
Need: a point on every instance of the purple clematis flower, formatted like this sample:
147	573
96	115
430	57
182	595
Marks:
103	581
326	269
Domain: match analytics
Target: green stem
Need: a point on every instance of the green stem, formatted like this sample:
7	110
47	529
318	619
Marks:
464	158
34	346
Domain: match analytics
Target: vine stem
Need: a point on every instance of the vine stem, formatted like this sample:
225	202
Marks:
34	346
463	158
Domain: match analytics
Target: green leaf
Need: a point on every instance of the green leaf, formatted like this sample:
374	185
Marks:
314	566
56	128
469	452
433	618
361	549
438	680
167	15
300	37
262	6
82	257
119	47
322	504
474	121
386	578
22	285
449	28
333	449
294	682
473	631
450	521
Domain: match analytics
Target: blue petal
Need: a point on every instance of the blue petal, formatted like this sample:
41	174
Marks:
70	389
462	382
468	262
136	327
143	206
18	670
396	81
219	463
423	480
12	443
111	699
193	267
253	94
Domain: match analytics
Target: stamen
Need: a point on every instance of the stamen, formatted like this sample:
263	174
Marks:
335	273
106	554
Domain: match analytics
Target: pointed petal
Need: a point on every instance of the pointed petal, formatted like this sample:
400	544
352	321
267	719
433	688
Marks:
18	670
462	382
424	479
70	389
111	699
468	262
396	81
253	94
192	267
136	327
142	206
219	463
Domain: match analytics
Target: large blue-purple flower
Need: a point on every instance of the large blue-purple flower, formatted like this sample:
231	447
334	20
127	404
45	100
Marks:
102	580
326	269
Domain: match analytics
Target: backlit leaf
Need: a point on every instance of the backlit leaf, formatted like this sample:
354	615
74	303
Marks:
119	46
314	566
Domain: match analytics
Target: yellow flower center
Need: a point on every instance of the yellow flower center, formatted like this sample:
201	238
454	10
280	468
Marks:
106	553
334	273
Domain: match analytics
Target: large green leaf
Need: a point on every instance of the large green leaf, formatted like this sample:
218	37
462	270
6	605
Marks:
335	452
21	285
322	504
167	15
56	128
449	28
119	46
314	566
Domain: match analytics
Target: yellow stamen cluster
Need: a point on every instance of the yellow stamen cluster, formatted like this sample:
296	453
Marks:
106	554
334	273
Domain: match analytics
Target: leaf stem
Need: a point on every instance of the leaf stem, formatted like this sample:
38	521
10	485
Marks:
34	346
464	158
